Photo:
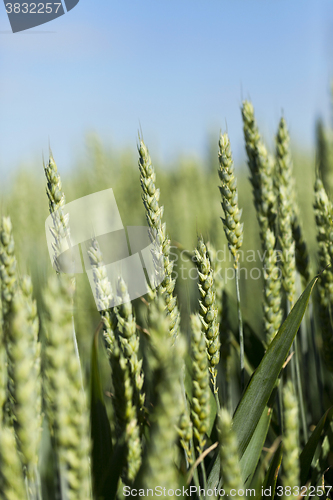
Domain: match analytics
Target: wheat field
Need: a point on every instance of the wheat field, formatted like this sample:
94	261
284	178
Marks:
218	382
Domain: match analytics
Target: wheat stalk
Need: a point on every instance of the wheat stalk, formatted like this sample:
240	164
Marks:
261	168
60	230
287	244
208	310
200	406
154	214
233	228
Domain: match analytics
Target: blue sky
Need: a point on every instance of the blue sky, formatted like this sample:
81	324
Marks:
177	67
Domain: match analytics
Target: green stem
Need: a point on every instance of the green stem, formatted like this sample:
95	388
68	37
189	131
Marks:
240	329
316	357
204	476
195	472
280	404
297	382
300	392
292	362
216	395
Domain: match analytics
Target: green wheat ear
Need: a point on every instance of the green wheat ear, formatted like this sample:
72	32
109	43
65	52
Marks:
24	384
230	468
324	156
287	244
126	413
11	479
8	267
166	360
324	224
154	214
129	341
261	169
103	294
65	403
185	431
60	230
233	228
200	407
218	279
290	462
9	287
208	308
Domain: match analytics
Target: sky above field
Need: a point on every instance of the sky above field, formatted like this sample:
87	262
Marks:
178	68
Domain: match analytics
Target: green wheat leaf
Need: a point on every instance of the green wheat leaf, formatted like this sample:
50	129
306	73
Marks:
261	385
310	448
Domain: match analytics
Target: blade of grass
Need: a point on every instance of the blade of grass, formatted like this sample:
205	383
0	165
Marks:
260	387
309	449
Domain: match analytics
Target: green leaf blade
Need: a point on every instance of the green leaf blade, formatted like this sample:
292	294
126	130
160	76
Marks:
261	385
